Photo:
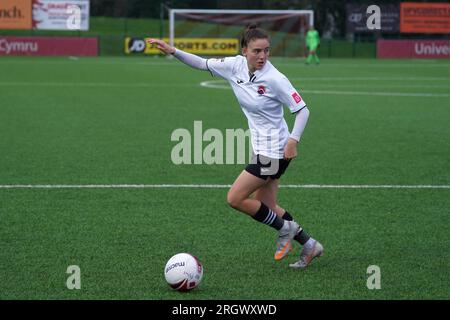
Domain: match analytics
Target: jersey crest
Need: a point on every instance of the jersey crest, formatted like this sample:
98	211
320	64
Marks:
261	89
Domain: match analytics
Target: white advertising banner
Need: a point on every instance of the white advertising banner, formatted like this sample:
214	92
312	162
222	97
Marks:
61	14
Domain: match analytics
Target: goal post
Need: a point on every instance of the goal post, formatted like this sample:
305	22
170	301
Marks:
285	27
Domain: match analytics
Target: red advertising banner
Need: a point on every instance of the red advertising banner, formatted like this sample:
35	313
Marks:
424	17
48	46
393	49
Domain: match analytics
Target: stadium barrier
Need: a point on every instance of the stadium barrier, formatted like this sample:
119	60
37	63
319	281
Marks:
409	49
48	46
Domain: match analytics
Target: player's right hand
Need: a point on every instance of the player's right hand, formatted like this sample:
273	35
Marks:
161	45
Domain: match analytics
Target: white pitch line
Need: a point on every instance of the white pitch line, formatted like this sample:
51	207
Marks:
371	78
358	65
367	186
94	84
384	94
211	186
158	61
219	84
371	85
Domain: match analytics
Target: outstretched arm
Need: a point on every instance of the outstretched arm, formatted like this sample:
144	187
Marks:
187	58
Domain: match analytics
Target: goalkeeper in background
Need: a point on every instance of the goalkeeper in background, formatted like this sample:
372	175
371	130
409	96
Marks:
312	44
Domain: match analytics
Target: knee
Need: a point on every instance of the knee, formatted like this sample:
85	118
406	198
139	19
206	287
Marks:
233	200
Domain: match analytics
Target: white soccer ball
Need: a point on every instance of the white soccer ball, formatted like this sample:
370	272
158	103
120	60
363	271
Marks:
183	272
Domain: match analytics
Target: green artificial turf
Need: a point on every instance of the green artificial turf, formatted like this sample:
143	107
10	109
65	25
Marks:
108	121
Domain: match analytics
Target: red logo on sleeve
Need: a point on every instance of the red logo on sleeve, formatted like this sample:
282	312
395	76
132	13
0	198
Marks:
296	97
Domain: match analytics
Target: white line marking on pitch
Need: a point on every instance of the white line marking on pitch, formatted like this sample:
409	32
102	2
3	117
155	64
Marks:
219	84
211	186
371	85
385	94
94	84
372	78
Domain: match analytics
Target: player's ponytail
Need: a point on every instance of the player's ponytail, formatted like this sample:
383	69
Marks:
252	32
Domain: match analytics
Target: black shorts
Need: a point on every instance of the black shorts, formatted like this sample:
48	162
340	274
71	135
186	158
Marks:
264	167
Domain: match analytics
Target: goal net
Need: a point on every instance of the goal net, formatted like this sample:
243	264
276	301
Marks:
217	32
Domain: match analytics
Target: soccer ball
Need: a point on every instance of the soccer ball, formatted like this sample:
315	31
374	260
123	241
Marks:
183	272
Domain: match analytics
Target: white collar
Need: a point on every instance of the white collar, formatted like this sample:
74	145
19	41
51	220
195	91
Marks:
257	73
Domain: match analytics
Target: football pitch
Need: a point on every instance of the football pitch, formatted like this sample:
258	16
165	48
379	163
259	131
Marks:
87	179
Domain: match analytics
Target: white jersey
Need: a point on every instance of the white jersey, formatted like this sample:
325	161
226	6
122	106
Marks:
261	96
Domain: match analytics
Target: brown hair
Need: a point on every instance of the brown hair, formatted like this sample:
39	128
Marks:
253	32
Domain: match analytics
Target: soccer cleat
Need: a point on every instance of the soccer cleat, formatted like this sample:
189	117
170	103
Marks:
307	255
285	235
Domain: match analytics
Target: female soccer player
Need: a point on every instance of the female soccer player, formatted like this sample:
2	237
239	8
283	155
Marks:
262	91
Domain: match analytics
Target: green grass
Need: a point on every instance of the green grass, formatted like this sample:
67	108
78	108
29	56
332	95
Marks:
109	121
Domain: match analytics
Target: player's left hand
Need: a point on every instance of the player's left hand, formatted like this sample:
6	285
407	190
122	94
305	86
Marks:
161	45
290	151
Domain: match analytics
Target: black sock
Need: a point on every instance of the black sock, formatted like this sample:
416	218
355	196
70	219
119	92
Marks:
302	237
267	216
287	216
